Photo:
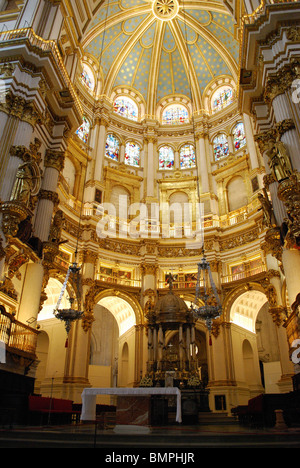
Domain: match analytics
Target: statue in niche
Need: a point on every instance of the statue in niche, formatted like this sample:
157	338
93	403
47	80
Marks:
267	208
56	227
279	161
25	182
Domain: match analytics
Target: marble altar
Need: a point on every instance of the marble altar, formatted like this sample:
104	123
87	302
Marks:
88	412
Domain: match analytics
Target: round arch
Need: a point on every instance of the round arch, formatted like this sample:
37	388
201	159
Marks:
243	304
123	306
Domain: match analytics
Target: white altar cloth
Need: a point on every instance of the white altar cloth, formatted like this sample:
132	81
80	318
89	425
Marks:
88	411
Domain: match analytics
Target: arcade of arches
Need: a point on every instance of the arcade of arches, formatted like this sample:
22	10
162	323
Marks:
121	120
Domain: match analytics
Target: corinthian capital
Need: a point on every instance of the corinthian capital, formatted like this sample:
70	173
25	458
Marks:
55	159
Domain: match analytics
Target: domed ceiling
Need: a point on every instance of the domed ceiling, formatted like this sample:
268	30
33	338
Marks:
144	46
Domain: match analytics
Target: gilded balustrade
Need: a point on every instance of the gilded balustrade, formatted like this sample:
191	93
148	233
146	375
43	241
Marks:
15	335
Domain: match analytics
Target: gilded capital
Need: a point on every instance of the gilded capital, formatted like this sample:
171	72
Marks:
49	195
55	159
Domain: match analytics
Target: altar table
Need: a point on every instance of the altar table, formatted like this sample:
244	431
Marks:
88	411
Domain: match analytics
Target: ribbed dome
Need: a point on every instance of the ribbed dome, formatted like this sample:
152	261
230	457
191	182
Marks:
171	308
160	48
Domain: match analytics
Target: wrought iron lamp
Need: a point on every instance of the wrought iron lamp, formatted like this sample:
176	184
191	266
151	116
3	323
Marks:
207	306
74	312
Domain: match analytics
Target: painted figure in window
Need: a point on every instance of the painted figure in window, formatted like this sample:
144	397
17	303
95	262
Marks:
187	157
112	147
166	157
221	99
87	77
83	131
132	154
175	114
221	149
126	107
239	138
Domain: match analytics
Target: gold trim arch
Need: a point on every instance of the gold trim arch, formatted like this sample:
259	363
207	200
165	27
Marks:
250	297
102	296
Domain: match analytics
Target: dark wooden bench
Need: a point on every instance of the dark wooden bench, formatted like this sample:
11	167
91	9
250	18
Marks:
52	410
260	411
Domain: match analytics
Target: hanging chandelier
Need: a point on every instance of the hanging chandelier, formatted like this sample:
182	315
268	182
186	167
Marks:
207	305
74	312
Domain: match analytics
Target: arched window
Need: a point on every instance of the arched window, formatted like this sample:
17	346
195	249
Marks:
126	107
83	131
87	77
239	138
221	98
132	154
187	157
112	147
166	157
220	144
175	114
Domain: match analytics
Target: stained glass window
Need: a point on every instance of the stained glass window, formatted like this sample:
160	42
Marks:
220	145
87	77
239	138
132	154
112	147
221	98
187	157
175	114
166	157
84	130
126	107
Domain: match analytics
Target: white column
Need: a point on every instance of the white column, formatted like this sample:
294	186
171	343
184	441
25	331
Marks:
100	149
201	163
150	168
250	142
290	138
291	265
53	165
31	292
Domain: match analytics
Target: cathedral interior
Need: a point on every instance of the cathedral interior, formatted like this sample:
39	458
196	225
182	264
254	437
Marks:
139	141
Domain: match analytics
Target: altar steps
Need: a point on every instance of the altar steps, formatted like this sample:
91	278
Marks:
162	439
216	419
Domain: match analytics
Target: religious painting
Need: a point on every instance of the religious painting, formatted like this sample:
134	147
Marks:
238	271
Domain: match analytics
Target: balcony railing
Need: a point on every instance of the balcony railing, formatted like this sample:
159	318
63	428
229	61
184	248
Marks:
15	335
45	46
244	274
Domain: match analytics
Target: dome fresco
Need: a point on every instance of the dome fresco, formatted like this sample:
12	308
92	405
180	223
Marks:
144	47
